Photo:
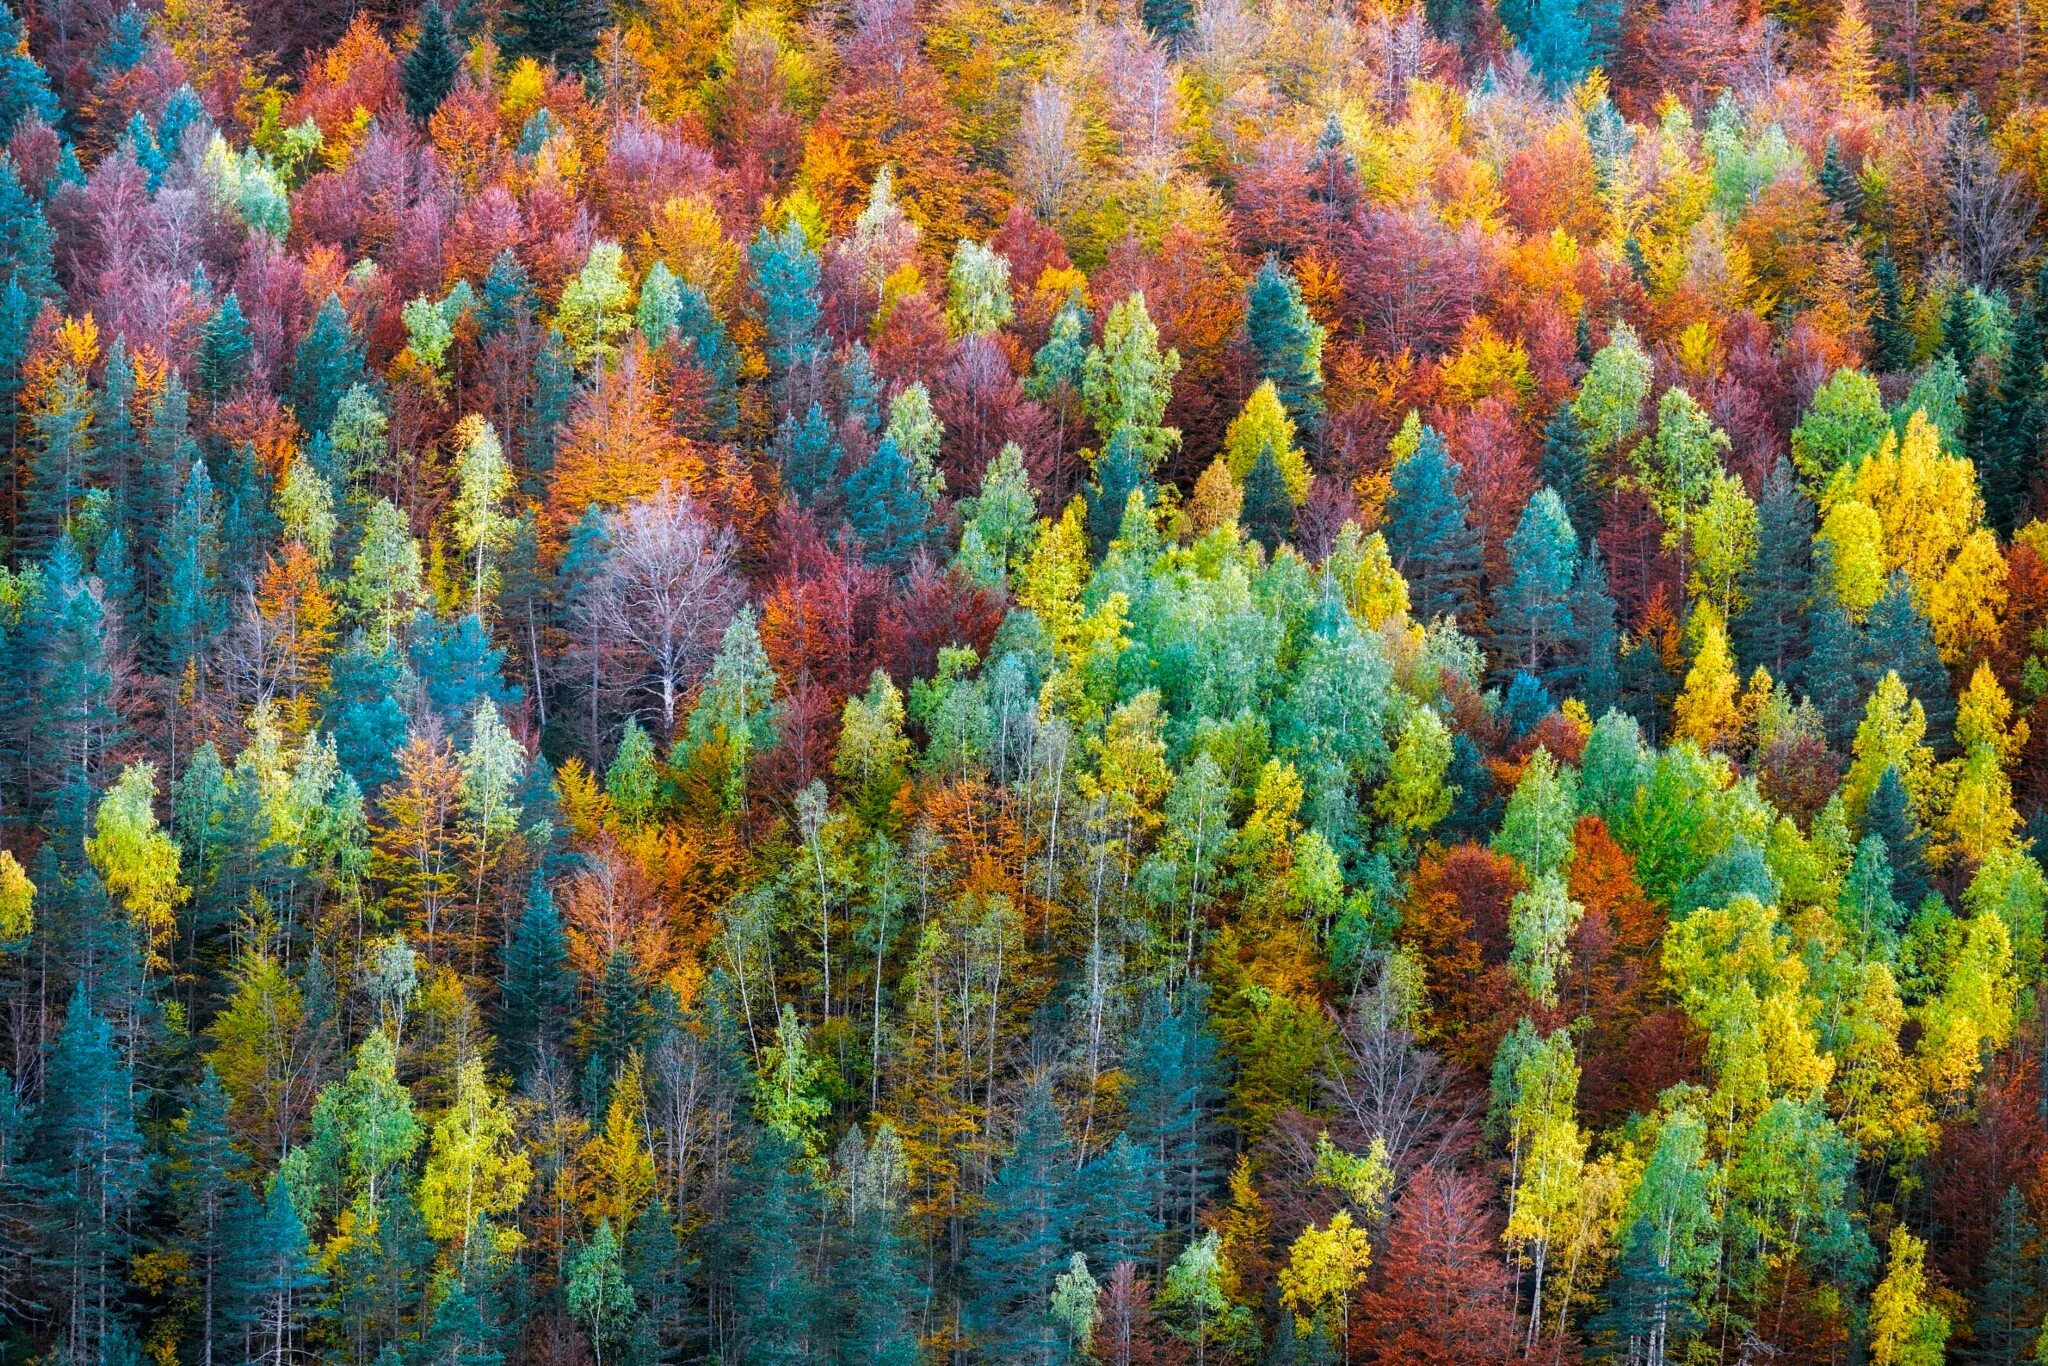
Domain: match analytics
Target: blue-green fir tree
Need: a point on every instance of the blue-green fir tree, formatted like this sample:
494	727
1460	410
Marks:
886	508
786	280
1287	345
328	360
809	456
1429	531
1020	1237
538	996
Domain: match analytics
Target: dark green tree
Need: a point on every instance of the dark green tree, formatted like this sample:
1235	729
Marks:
1565	470
1592	649
222	364
1287	346
554	390
1897	638
431	66
563	33
778	1296
329	359
1121	471
2008	1308
614	1028
1892	343
538	1000
93	1171
1430	533
214	1212
809	456
1020	1236
1532	608
1268	514
1770	629
886	508
1889	816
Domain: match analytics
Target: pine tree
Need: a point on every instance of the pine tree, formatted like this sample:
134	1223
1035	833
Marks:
554	390
2009	1305
614	1028
1592	653
1268	512
431	66
1170	21
2009	452
786	279
1844	189
93	1170
1565	470
1897	639
1287	345
1175	1093
63	454
1770	630
778	1296
1889	816
285	1281
886	508
1832	671
214	1211
1532	609
1430	532
222	365
1559	43
561	33
1648	1311
1116	1194
703	335
876	1286
1892	339
329	359
538	999
24	87
28	249
809	455
1119	473
1020	1237
658	1275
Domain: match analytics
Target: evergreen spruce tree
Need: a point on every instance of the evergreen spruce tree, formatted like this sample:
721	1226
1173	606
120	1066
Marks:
431	66
809	456
1116	1194
1532	608
1840	183
286	1283
1832	671
1649	1309
876	1285
93	1170
1287	346
2008	452
886	508
554	389
538	1000
1592	653
1565	471
1897	638
1770	630
658	1275
63	461
28	249
329	359
699	329
507	302
1889	816
2009	1306
1892	340
191	611
616	1026
786	278
24	86
1174	1097
561	33
1120	472
1559	43
1170	21
363	710
222	365
1430	533
778	1297
1020	1236
1268	513
214	1212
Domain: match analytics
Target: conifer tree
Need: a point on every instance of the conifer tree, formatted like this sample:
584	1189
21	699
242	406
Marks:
214	1211
1532	609
887	509
538	995
1889	816
1430	532
222	365
1268	512
786	280
1770	630
24	86
779	1295
2009	451
431	66
561	33
809	455
92	1169
329	359
1897	639
1020	1237
1287	345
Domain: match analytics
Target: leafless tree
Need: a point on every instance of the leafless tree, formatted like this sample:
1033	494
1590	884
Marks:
666	590
1386	1085
1992	209
1048	151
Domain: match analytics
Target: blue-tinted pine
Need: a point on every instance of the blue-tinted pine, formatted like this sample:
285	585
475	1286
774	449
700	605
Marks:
1020	1237
1430	533
27	247
222	365
786	278
1889	816
1268	513
1121	471
886	508
1532	609
215	1211
1287	345
538	1000
1117	1193
1770	630
1565	471
329	359
431	66
779	1301
1896	637
1592	650
93	1170
809	456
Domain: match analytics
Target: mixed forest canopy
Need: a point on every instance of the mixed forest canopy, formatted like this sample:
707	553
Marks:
1143	681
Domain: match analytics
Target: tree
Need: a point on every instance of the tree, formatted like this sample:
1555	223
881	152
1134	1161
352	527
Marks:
328	361
779	1294
538	995
1680	466
431	66
137	861
1905	1329
92	1170
596	1289
1324	1267
888	510
1287	345
1269	508
2003	1330
214	1212
1609	405
666	588
222	365
786	280
476	1169
24	87
1127	380
483	479
559	33
1020	1235
1430	533
1439	1299
1532	608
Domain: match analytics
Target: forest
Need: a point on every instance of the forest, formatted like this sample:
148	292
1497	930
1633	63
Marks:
1159	682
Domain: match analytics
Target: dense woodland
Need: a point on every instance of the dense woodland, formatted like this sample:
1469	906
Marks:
1211	681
